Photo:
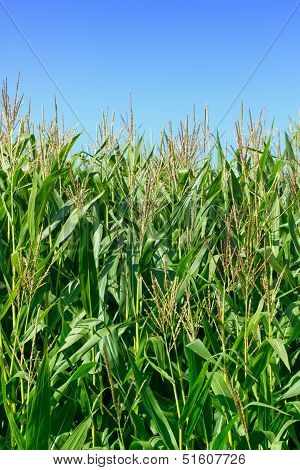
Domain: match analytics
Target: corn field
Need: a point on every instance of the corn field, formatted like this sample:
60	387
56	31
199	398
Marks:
149	296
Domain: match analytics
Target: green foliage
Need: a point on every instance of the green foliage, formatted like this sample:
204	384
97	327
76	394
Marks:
149	298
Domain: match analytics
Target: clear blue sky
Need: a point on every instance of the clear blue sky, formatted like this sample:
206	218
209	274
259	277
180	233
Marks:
170	54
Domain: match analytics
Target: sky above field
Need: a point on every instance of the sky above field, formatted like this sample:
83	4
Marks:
171	55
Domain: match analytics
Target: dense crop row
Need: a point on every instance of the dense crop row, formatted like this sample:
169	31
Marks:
148	298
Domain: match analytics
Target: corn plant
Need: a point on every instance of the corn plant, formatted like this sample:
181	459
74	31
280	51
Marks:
149	297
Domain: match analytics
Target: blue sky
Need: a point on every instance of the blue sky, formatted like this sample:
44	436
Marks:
171	55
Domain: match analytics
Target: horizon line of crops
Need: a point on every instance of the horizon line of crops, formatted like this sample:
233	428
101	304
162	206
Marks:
149	298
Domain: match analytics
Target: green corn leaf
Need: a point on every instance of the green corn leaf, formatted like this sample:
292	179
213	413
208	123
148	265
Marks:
78	437
293	391
279	348
31	216
38	428
15	432
154	410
